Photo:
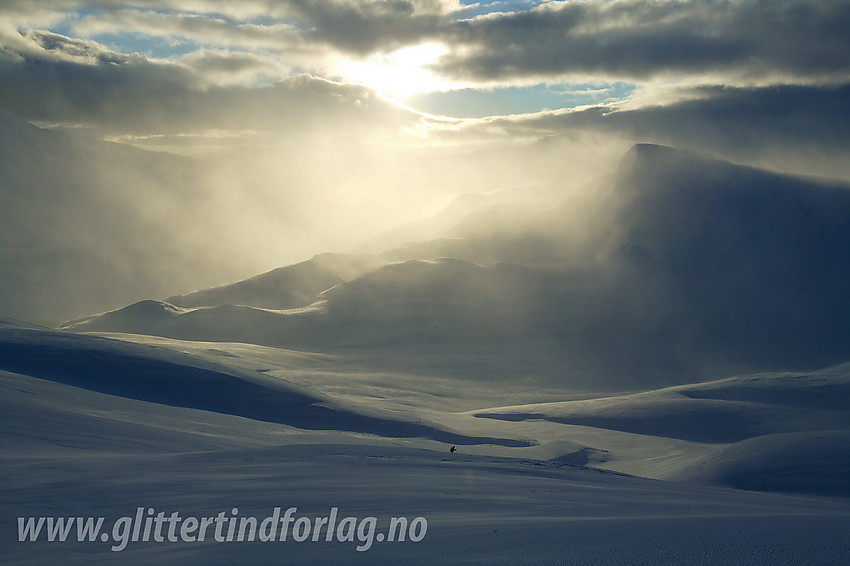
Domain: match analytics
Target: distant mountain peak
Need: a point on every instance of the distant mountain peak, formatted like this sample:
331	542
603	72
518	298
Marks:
650	155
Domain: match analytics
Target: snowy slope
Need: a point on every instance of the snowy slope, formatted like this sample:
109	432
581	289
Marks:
721	411
167	378
671	433
780	432
74	450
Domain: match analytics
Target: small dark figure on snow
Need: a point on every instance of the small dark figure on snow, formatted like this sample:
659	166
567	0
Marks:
453	449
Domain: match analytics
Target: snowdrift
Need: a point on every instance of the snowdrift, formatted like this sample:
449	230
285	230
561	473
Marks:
168	378
800	462
721	411
773	432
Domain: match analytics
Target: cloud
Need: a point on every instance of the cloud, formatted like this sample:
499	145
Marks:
367	27
744	41
642	39
55	78
79	50
735	76
727	42
203	29
226	67
799	128
58	79
356	27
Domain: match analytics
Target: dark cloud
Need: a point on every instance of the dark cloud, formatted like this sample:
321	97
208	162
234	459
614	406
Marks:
627	39
640	39
227	65
800	128
38	86
735	119
367	27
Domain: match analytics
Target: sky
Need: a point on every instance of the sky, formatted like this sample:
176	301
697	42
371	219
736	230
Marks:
321	126
760	80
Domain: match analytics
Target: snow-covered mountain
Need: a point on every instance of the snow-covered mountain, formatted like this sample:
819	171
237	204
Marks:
297	285
680	267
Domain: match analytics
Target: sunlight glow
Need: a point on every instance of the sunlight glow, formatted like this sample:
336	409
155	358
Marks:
400	74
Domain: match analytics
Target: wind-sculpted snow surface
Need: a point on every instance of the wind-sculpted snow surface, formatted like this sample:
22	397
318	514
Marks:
774	432
94	427
179	380
800	462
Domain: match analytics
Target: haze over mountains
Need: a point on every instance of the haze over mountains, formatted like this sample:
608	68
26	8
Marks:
678	318
92	225
676	267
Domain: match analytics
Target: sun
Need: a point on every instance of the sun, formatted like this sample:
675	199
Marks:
399	74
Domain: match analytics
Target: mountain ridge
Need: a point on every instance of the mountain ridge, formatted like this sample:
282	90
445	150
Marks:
682	266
